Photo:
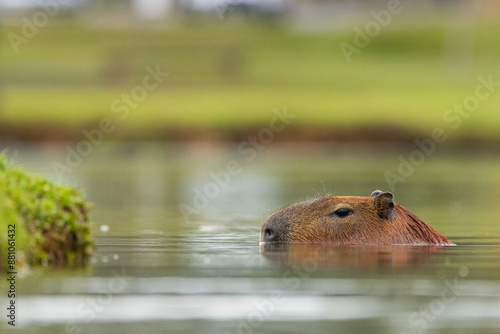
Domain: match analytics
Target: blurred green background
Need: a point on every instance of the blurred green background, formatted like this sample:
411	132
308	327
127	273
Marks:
229	66
76	75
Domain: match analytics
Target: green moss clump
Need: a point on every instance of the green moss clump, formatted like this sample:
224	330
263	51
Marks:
51	220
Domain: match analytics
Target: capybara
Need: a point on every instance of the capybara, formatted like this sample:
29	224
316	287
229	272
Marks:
349	220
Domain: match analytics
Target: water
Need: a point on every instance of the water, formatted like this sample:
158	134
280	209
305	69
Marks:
159	270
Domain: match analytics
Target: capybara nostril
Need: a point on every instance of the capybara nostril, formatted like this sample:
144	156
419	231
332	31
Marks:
269	234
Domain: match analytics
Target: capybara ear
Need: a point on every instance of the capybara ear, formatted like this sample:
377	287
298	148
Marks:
384	206
376	192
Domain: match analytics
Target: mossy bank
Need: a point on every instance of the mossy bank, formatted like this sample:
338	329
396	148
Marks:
50	221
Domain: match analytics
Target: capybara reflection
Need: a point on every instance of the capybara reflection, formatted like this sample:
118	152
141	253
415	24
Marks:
349	220
353	256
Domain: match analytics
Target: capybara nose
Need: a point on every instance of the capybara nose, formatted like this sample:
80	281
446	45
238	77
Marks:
275	228
269	235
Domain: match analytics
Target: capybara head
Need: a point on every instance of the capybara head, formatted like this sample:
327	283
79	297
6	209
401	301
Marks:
349	220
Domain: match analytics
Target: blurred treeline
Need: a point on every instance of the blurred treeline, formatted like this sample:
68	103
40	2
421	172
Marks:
229	66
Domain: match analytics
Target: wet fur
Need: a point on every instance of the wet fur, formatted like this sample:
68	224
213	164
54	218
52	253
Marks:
376	220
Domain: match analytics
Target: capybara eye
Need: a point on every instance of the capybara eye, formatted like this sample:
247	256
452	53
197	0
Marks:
342	212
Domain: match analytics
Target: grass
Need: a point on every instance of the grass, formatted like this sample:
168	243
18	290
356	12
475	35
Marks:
231	76
50	220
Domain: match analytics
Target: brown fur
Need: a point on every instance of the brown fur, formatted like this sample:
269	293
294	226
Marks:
374	220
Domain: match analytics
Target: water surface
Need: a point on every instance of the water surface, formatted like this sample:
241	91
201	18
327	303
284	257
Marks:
158	268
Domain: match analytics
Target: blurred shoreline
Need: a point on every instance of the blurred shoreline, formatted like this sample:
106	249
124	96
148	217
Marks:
218	79
357	137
